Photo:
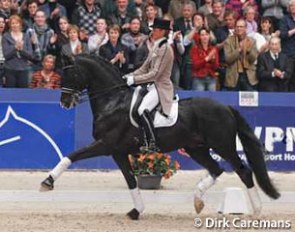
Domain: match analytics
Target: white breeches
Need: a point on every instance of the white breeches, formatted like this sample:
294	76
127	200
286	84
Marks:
150	100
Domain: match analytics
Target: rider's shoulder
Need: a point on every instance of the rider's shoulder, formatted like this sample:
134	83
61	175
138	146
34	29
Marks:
163	42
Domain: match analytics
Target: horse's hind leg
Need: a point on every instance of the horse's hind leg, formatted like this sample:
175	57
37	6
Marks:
246	175
202	156
95	149
124	164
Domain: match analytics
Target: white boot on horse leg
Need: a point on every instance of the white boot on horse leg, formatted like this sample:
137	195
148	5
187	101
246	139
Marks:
63	165
138	204
202	187
255	200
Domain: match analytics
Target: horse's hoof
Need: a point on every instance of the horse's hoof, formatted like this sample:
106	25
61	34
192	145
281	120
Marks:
199	205
133	214
47	184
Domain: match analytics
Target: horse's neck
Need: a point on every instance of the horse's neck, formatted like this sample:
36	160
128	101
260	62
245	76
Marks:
108	104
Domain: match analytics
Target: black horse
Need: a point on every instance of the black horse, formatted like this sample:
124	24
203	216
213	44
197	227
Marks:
202	124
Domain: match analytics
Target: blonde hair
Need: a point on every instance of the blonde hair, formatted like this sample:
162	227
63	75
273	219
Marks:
18	19
73	28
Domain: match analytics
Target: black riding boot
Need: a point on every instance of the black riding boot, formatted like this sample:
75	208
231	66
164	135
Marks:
149	134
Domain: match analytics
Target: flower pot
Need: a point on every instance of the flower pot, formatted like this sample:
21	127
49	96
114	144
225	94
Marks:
149	182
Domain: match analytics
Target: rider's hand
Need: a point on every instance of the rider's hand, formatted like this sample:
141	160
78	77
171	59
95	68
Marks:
125	76
130	80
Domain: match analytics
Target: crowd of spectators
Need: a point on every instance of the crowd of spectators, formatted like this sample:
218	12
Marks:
227	45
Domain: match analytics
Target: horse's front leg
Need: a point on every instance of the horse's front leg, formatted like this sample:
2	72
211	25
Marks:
123	163
97	148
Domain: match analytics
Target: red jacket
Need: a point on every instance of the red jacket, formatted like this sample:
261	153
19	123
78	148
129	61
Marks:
201	68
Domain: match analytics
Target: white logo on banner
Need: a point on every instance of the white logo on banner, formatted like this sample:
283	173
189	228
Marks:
10	113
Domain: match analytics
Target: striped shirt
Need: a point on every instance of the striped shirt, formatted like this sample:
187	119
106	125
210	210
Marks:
39	80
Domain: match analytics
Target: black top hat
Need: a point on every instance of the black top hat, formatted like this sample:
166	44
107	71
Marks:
161	24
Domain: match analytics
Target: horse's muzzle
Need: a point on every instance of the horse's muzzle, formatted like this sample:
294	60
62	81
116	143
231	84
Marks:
69	100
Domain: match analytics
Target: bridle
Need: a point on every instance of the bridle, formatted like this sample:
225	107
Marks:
81	96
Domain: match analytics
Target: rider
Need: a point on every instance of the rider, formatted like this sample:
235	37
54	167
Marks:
157	71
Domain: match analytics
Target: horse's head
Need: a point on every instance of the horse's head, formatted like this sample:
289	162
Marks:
88	72
73	83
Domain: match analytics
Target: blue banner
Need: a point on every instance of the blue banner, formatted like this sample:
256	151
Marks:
34	135
35	132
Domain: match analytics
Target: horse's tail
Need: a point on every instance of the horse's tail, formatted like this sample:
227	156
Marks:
254	151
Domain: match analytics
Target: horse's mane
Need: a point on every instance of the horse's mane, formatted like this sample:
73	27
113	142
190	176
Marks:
100	60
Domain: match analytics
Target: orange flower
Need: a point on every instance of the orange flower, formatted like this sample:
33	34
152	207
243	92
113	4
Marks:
153	164
141	158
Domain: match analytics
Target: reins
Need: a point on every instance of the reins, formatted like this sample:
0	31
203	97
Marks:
83	95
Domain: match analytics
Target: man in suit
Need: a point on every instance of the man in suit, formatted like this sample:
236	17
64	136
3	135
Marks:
156	70
274	68
185	23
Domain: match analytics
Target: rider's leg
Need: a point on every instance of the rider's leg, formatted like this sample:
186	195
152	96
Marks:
149	102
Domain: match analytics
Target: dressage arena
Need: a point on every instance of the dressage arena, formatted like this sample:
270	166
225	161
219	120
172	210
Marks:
98	201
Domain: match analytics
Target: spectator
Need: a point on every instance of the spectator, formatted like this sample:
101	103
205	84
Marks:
85	16
62	38
100	38
275	9
185	22
193	35
53	11
222	33
149	17
8	8
216	19
73	48
133	40
176	8
43	38
47	77
287	29
205	61
206	8
28	13
139	6
109	7
198	23
240	56
274	68
114	51
122	15
239	6
142	53
17	51
266	28
250	15
2	59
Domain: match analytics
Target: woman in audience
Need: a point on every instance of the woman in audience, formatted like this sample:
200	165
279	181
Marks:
114	51
62	39
73	47
205	61
17	50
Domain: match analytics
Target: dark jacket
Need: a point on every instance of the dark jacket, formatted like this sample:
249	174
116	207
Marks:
265	67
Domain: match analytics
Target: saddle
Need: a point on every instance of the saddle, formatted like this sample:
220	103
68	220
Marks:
159	120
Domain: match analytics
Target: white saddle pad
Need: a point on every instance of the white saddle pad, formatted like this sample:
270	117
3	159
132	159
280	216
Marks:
159	120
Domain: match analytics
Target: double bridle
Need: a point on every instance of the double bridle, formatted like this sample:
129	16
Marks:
81	96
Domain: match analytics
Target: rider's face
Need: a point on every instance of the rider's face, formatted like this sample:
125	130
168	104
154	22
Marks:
158	33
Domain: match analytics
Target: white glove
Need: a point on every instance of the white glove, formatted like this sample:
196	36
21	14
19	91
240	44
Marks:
125	76
130	80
